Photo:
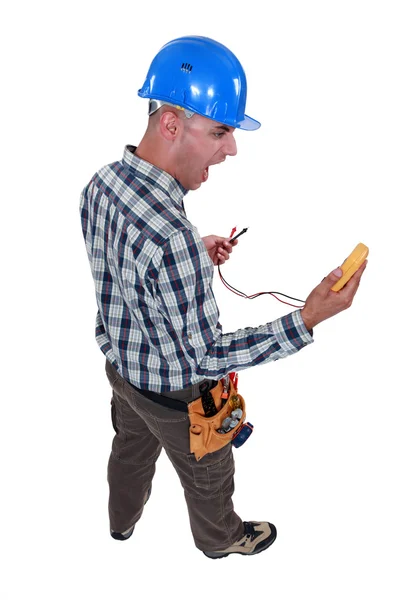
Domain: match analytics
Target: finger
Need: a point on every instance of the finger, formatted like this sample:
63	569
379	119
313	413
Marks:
332	278
353	283
358	274
227	246
223	254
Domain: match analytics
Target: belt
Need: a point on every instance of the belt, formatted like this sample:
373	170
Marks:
180	399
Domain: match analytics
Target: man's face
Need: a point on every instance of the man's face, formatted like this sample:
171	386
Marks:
202	143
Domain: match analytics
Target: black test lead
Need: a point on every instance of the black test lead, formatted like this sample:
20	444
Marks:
252	296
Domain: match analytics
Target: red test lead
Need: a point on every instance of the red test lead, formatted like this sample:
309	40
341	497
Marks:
238	235
252	296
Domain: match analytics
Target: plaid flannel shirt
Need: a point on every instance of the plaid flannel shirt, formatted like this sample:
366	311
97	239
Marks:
158	321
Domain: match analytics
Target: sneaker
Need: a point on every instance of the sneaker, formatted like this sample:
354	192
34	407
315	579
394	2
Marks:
125	535
258	536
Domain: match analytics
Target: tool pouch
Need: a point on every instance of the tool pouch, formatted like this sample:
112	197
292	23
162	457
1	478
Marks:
204	437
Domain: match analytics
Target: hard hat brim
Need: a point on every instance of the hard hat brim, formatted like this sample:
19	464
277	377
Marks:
248	124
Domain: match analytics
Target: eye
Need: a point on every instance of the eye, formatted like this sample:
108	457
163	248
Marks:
219	134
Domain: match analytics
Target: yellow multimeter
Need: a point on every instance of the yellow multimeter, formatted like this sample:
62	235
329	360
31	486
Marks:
350	265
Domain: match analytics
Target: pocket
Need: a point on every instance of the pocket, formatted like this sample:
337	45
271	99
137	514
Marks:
114	416
204	435
218	440
214	467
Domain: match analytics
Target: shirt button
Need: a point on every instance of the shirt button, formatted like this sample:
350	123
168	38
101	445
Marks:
190	335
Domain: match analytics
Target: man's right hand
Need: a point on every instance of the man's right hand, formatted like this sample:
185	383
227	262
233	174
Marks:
322	303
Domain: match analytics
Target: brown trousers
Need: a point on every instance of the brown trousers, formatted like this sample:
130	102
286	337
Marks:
142	429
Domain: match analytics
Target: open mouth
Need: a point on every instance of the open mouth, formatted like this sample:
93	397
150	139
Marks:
205	174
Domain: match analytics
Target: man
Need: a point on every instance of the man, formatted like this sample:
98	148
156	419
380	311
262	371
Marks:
158	321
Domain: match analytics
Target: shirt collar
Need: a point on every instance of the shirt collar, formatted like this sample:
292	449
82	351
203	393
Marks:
151	173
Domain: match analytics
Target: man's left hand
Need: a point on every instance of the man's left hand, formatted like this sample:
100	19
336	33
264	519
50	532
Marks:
218	248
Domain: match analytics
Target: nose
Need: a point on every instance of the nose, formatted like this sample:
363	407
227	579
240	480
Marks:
230	146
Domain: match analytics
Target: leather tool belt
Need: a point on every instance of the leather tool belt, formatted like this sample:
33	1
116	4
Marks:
204	437
203	431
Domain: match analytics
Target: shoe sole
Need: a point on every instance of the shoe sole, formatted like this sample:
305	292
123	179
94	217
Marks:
259	548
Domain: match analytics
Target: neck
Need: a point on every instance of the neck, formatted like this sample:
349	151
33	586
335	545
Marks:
154	153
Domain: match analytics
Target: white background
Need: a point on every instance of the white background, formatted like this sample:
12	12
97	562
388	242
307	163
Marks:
321	175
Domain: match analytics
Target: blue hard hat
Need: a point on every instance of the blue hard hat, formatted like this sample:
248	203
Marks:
203	76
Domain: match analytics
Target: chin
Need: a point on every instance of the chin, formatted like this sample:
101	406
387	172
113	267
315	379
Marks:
194	186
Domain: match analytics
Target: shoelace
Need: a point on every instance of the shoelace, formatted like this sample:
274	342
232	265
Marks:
249	530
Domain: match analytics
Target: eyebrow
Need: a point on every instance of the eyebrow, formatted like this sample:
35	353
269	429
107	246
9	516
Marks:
224	127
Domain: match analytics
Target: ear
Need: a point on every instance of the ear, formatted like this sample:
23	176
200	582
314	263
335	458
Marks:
170	125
